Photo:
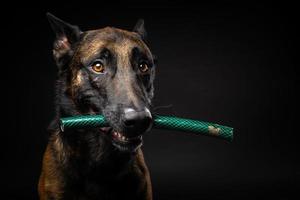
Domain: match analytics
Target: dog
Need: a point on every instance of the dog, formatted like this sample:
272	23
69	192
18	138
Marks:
107	71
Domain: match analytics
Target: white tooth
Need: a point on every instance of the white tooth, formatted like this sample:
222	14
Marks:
123	137
148	112
129	110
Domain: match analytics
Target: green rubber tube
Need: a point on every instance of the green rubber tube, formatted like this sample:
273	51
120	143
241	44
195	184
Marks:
160	122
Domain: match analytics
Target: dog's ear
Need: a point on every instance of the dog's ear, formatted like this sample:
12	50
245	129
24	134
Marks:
140	29
66	37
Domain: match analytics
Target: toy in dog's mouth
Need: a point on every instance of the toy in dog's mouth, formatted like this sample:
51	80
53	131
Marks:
122	142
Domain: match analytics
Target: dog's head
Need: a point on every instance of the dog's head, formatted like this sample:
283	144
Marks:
108	71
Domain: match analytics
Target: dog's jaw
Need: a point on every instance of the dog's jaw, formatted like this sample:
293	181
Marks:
126	144
121	142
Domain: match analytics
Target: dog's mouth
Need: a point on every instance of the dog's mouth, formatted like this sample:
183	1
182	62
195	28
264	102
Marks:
122	142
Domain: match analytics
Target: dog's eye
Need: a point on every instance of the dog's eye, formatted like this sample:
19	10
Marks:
143	67
98	67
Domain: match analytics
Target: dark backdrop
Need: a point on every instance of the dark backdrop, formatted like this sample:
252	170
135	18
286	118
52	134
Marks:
221	62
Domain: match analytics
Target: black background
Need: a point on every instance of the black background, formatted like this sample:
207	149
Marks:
220	62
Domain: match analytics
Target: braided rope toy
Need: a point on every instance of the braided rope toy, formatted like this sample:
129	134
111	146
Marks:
160	122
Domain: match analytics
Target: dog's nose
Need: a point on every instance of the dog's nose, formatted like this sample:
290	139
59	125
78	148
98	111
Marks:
137	122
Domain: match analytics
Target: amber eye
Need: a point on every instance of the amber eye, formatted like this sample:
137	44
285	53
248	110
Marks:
98	67
143	67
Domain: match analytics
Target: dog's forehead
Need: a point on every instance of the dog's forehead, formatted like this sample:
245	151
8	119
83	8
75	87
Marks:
121	41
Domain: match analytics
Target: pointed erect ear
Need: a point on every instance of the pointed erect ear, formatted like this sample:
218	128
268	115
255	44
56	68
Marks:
66	36
140	29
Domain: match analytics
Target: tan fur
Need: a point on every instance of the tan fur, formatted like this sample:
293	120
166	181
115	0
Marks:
78	80
144	173
124	51
102	38
51	181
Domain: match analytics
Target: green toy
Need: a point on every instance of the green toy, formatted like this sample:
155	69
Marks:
160	122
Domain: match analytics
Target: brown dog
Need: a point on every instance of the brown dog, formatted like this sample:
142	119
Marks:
107	71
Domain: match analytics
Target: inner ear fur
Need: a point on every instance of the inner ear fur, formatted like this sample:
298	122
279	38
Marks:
66	36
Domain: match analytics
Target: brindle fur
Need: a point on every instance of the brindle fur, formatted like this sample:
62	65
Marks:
83	164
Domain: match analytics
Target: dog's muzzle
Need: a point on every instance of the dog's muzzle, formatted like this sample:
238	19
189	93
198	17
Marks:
134	124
